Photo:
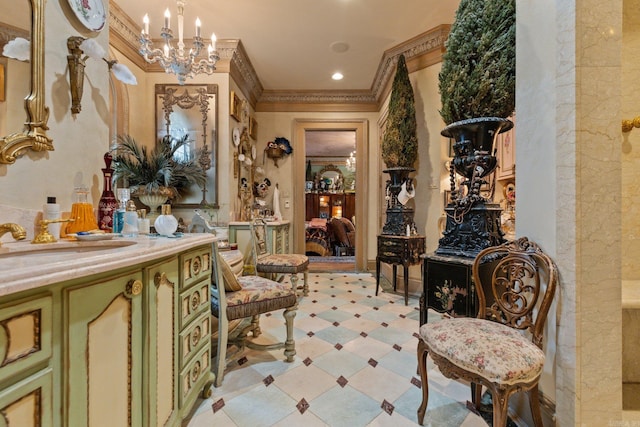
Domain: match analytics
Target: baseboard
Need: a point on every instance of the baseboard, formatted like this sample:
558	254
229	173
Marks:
547	410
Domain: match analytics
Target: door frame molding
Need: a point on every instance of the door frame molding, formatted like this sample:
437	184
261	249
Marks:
361	128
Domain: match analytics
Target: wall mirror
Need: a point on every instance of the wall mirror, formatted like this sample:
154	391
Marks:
23	18
330	179
192	109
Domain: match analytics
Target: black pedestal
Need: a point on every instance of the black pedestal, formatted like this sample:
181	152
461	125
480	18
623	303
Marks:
478	229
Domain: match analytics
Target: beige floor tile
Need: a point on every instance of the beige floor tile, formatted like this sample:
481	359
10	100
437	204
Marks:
368	348
360	324
380	383
306	382
297	419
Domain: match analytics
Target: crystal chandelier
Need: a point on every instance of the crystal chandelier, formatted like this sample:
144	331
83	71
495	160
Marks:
351	162
177	60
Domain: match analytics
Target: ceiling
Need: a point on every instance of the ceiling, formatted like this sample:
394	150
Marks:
297	44
329	143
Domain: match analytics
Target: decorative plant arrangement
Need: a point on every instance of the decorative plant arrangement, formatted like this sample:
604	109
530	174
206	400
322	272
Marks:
156	171
477	89
478	76
400	143
400	152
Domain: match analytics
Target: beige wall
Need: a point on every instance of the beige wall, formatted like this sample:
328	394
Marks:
80	142
630	142
568	186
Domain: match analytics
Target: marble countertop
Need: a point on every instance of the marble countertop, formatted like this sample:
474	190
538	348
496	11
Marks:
27	266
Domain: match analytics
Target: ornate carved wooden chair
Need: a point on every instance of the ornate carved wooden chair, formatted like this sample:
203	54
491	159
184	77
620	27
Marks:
243	297
273	264
501	349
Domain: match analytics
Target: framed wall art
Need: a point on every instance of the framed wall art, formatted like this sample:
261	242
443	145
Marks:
235	106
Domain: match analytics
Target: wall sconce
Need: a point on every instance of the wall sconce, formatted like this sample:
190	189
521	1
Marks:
78	47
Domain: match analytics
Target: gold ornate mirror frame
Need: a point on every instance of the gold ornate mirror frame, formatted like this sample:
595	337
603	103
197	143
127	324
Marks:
34	135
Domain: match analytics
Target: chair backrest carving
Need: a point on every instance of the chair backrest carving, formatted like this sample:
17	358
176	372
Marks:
259	238
520	287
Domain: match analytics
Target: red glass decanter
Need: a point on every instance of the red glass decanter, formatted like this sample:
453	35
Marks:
108	203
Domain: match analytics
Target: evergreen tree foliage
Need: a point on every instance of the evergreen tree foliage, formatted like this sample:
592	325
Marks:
400	143
478	75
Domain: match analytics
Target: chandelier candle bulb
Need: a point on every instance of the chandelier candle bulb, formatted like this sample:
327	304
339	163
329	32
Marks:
167	17
198	24
145	21
213	42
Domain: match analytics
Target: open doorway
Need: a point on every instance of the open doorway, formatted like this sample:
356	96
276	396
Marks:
330	177
330	195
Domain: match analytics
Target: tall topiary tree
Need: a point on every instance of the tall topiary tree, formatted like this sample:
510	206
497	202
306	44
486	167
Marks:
478	75
400	143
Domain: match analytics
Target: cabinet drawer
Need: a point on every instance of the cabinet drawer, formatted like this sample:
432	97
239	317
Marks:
194	301
194	376
28	403
393	246
196	265
194	337
25	334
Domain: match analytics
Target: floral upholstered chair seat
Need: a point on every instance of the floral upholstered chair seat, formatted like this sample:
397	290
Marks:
497	352
258	295
283	263
273	264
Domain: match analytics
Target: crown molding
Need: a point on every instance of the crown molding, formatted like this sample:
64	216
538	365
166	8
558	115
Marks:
420	52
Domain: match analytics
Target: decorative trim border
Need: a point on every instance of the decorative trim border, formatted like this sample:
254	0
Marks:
420	52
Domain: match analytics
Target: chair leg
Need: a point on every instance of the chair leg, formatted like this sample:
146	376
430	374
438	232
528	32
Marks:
500	407
294	283
220	362
305	285
534	403
290	344
476	395
255	326
422	369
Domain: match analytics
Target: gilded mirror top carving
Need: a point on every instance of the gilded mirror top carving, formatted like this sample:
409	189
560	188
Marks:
33	136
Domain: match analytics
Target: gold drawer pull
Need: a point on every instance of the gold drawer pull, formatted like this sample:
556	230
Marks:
195	373
195	301
133	288
195	336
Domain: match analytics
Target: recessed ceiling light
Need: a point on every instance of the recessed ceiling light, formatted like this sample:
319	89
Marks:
337	76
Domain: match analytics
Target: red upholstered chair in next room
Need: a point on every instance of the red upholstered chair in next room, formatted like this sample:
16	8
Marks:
501	348
274	264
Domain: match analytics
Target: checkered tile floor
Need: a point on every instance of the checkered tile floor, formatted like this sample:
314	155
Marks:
355	366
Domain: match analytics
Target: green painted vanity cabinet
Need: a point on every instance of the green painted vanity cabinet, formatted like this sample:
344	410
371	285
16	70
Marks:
25	361
127	347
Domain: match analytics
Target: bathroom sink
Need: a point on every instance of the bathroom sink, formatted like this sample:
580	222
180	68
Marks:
62	248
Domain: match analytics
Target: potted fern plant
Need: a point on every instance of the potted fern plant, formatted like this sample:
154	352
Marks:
157	175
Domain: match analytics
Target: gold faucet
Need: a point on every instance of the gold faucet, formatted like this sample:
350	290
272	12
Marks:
17	231
44	236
